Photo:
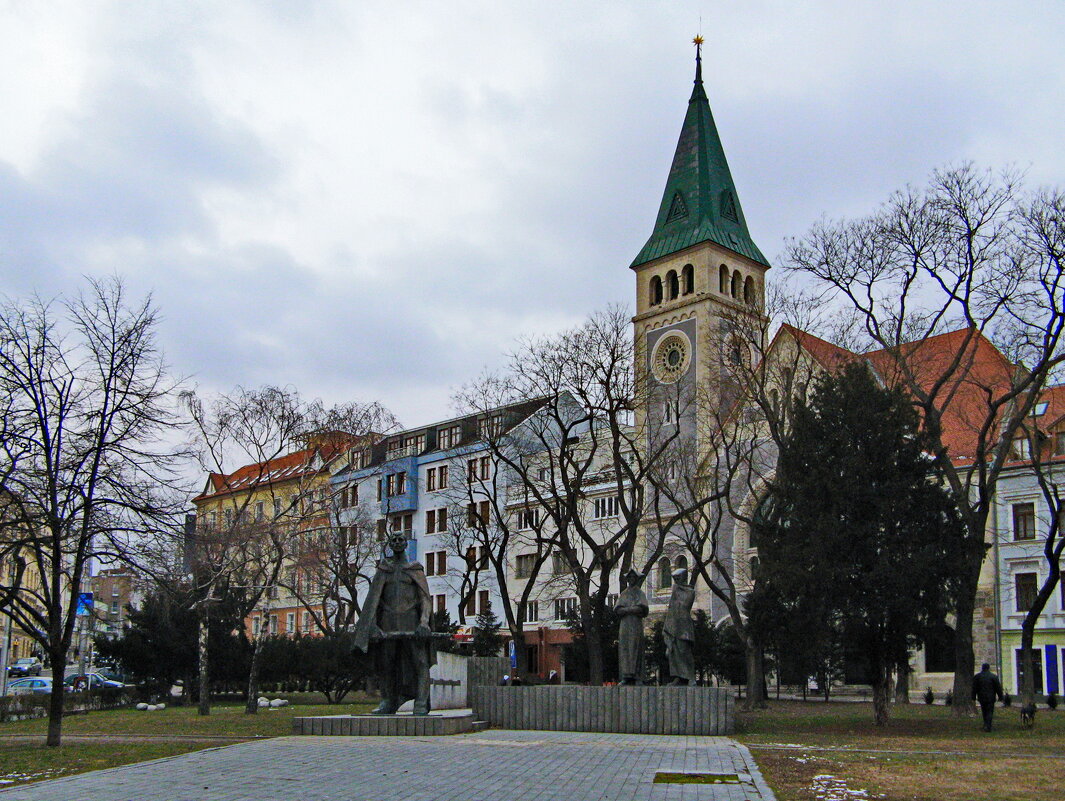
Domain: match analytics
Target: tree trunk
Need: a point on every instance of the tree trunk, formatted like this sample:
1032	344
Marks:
964	660
755	697
1027	685
55	698
252	706
902	684
594	643
204	707
881	694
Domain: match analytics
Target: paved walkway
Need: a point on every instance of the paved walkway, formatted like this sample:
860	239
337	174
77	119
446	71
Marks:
494	765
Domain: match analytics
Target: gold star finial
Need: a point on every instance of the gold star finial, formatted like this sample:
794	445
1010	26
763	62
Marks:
698	40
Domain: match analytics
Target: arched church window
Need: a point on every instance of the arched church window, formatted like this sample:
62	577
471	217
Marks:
656	291
748	291
672	285
723	280
737	283
680	563
665	574
688	279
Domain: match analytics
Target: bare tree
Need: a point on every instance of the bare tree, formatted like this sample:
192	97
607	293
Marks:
277	524
1047	466
582	443
87	404
934	278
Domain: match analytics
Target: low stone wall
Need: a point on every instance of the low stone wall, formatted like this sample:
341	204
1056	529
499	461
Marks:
438	724
630	710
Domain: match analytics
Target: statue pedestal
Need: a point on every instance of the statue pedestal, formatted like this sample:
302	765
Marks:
449	721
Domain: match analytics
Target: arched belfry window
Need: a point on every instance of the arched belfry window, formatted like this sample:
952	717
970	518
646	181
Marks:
737	284
723	280
748	291
665	574
656	291
672	285
687	276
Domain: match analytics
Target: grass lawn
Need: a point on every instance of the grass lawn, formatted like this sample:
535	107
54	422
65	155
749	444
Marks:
163	733
834	751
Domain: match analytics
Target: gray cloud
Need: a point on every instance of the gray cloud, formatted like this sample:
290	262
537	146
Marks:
373	202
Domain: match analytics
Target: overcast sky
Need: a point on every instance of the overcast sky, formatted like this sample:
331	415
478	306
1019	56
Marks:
371	200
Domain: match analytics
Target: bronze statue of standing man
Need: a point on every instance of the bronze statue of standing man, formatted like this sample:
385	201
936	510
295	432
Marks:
679	631
394	628
631	609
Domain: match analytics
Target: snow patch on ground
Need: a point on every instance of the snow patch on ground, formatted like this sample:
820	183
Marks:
14	778
831	788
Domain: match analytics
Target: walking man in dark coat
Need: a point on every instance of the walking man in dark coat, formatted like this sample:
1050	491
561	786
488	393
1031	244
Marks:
987	688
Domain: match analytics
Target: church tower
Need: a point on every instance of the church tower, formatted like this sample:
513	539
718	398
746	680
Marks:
697	273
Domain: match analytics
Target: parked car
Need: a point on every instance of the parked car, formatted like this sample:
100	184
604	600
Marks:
37	686
27	666
94	681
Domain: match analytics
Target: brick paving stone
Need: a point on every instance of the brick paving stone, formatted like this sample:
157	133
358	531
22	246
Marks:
493	765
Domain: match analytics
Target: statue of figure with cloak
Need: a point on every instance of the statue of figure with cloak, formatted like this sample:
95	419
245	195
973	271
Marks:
678	630
394	629
631	609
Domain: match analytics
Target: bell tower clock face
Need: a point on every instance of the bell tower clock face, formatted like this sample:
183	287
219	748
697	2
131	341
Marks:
671	357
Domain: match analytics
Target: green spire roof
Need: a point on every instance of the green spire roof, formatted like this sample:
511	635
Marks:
700	203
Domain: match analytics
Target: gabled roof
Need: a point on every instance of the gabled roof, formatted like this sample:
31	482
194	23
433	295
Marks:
964	398
700	203
258	475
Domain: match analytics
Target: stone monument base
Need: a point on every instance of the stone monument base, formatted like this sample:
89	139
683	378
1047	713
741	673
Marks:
629	710
450	721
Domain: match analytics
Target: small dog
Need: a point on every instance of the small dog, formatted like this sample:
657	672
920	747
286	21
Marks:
1028	716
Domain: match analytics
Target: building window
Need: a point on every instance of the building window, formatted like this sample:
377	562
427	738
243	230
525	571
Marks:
1037	669
471	604
403	524
524	565
528	519
672	285
1022	448
436	478
378	489
273	624
1024	521
748	291
381	525
306	622
737	284
478	514
477	557
559	563
722	284
665	574
688	279
430	479
491	426
1059	443
396	484
1025	589
436	563
436	520
603	508
290	622
448	437
656	291
565	608
260	512
440	603
277	508
484	603
114	607
255	626
532	612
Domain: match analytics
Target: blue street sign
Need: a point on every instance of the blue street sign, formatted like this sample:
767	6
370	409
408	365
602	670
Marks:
84	603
